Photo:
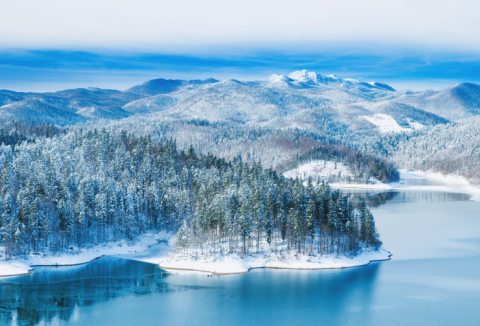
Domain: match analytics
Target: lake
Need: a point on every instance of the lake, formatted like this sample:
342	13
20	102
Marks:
432	279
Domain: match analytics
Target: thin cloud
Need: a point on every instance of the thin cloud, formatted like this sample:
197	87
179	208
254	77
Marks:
55	70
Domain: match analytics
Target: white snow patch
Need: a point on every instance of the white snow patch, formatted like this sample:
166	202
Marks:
433	182
8	268
304	76
156	253
326	171
385	123
276	78
415	125
319	169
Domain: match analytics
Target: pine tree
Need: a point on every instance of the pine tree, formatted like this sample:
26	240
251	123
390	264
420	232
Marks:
268	226
370	230
182	240
310	217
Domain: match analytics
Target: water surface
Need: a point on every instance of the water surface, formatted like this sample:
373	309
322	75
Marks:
432	279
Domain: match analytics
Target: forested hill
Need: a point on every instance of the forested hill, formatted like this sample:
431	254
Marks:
277	101
13	132
86	187
362	165
451	149
280	149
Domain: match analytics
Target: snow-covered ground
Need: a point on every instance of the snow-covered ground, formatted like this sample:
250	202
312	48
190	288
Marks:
319	169
385	123
159	249
328	172
415	125
26	264
269	256
266	258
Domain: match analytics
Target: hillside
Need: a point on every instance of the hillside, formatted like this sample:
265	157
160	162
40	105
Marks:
278	101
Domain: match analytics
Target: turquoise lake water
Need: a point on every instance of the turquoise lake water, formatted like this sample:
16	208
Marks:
432	279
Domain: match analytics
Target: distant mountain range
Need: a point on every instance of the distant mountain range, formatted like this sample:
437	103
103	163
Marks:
296	100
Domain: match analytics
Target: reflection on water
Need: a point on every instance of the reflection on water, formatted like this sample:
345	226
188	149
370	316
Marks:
372	199
61	294
376	199
433	279
55	292
423	182
69	298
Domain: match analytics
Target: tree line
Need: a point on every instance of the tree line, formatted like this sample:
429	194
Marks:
88	187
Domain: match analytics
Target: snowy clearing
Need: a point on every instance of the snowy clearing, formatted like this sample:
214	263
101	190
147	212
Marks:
325	170
337	177
415	125
385	123
431	182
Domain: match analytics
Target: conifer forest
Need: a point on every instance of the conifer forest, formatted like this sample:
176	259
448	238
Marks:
85	187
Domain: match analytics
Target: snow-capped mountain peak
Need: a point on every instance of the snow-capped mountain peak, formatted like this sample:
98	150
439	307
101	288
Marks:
311	77
277	78
332	77
305	76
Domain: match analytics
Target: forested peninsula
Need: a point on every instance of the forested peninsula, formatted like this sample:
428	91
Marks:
83	188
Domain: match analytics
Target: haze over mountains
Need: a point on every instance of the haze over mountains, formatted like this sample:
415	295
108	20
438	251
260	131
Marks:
296	100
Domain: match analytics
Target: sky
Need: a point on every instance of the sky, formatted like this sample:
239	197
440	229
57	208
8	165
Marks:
50	45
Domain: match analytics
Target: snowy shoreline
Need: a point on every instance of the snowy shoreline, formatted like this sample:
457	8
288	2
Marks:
26	264
234	264
148	249
435	181
158	249
438	182
448	183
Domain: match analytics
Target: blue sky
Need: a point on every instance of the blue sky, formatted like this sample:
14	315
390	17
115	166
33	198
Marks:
51	45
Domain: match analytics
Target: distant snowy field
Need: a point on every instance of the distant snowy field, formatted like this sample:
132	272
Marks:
337	176
319	169
387	123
